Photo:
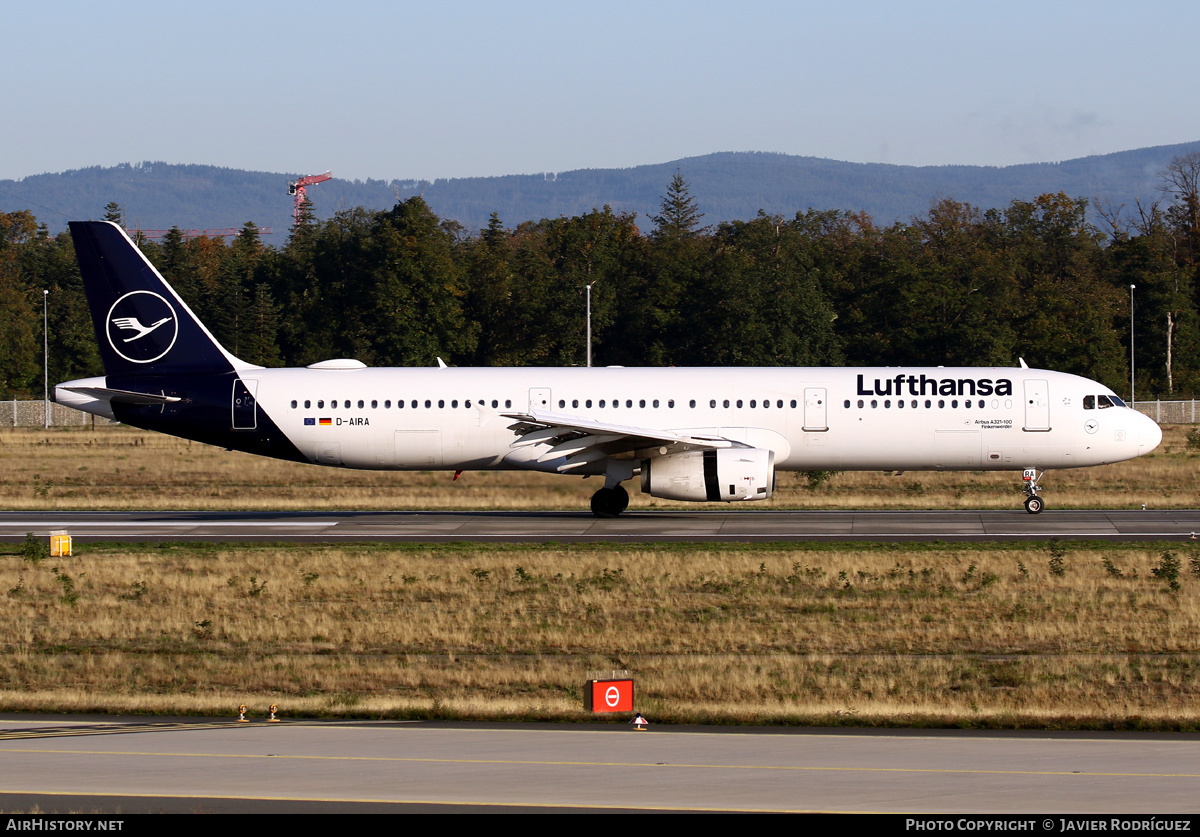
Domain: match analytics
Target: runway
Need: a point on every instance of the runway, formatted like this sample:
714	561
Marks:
631	527
131	766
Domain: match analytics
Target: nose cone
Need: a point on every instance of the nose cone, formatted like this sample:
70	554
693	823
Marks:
1149	434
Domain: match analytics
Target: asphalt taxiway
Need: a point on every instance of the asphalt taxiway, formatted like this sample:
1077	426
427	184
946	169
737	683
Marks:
631	527
133	765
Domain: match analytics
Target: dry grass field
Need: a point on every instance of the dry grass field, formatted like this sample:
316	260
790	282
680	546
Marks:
1042	635
121	468
1052	635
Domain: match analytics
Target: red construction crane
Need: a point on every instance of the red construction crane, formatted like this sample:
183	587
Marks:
296	190
188	234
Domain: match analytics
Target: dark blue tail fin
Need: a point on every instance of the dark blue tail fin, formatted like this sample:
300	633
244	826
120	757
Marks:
142	326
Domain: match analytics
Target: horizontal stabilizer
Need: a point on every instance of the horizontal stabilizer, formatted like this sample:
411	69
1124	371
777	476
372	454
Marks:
124	396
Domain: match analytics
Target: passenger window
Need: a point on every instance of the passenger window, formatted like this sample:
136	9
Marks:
574	402
739	403
495	403
294	405
507	403
387	405
601	403
887	403
428	403
847	405
467	403
360	404
307	404
333	404
860	403
629	402
900	404
561	404
793	403
588	403
753	403
454	403
874	404
642	403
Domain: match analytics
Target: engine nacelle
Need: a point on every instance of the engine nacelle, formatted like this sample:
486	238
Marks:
725	475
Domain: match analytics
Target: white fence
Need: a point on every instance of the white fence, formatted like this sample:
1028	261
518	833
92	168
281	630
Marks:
1170	412
33	414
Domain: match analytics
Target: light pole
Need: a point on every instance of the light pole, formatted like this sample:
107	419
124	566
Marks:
45	358
1132	388
589	324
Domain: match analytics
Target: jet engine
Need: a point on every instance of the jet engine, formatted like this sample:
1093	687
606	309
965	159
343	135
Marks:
725	475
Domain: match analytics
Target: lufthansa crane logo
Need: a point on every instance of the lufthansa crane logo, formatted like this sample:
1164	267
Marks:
142	326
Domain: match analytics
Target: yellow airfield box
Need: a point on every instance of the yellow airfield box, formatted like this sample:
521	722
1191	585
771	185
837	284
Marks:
60	544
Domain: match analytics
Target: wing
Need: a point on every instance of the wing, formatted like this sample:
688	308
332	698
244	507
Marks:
580	441
129	323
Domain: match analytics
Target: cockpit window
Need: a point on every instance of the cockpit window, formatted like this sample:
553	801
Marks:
1117	402
1089	402
1104	402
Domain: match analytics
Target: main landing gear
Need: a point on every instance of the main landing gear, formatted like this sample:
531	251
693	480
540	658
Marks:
1033	503
610	502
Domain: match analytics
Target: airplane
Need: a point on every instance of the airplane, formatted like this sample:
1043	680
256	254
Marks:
698	434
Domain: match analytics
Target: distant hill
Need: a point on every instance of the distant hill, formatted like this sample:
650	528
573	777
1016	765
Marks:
727	186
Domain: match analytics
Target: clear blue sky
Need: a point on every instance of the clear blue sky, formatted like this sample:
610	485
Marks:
425	90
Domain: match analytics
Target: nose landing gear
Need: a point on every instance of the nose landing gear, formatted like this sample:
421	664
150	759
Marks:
1033	503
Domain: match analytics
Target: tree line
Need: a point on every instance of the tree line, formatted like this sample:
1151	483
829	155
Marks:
958	286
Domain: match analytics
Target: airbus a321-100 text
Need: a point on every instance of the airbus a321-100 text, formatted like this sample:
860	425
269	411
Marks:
708	435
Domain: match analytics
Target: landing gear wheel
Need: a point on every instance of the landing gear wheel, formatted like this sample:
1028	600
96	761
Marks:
610	502
622	498
1033	503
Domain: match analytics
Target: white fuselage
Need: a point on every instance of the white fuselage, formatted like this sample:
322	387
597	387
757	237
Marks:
811	418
